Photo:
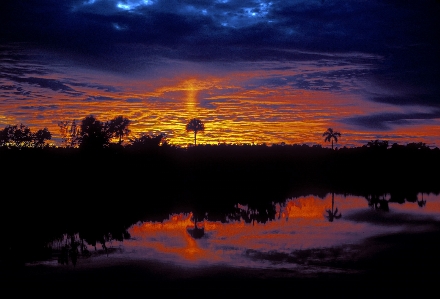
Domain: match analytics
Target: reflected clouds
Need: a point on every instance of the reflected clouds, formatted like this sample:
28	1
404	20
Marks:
300	228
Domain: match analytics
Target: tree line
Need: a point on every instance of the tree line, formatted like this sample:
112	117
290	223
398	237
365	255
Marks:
92	134
21	136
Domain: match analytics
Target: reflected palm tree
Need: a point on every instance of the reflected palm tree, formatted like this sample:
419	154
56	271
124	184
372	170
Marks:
197	231
333	213
421	203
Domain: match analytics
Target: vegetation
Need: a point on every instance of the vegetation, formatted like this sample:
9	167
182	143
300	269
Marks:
146	142
20	136
331	135
70	133
195	125
119	127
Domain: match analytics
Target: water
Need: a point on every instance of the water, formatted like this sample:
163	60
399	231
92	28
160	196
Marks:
301	238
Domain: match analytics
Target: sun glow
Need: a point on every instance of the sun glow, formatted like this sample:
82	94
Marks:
237	107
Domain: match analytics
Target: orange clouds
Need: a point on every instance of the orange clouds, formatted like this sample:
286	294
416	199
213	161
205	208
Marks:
237	107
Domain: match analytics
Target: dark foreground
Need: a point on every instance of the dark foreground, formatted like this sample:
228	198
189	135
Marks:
47	195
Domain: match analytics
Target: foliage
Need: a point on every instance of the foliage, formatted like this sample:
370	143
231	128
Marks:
21	136
417	146
119	127
147	141
41	136
94	134
70	133
331	135
377	144
195	125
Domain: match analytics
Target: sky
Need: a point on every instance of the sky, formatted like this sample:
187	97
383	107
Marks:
252	71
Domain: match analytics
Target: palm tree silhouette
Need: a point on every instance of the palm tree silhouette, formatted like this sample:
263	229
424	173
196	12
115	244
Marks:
331	135
195	125
333	214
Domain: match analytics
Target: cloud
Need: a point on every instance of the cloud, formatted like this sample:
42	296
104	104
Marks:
40	108
99	99
386	121
407	100
44	83
188	25
118	34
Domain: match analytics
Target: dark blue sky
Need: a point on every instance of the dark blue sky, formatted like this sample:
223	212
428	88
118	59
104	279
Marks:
395	42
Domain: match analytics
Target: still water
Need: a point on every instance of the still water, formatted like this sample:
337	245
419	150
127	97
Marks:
308	234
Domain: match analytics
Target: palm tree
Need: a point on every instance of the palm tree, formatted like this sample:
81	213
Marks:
331	135
195	125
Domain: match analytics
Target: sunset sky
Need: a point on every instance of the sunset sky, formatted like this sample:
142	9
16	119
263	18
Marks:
253	71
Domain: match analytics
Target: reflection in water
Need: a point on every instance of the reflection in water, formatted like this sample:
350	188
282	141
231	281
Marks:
299	237
300	227
333	214
421	202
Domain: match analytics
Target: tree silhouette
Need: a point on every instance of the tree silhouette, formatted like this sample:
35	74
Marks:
378	144
70	133
119	127
41	136
147	141
21	137
195	125
331	135
94	134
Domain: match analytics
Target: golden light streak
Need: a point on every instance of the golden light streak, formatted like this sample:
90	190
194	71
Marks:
232	113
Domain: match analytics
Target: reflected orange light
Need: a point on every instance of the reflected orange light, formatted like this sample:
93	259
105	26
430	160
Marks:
300	223
171	236
174	227
307	207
